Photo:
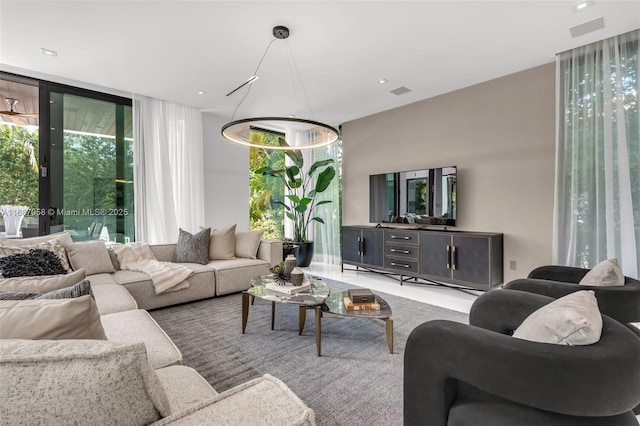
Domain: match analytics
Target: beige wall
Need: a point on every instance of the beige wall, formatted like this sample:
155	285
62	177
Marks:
500	134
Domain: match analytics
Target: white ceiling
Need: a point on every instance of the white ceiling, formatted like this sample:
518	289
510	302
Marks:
172	49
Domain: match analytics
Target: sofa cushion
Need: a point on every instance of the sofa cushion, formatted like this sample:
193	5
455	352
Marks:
570	320
78	382
202	284
247	243
92	256
42	284
51	319
193	248
138	326
235	275
264	401
63	237
605	274
184	386
112	298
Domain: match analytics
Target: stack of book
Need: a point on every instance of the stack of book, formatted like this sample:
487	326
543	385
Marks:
361	300
288	288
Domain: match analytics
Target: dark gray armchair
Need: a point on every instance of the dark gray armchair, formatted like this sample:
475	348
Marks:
621	303
478	374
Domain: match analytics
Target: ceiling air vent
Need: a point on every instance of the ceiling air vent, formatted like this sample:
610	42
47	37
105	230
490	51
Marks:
400	91
587	27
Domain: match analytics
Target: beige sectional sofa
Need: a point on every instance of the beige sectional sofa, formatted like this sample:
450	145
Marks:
217	278
135	377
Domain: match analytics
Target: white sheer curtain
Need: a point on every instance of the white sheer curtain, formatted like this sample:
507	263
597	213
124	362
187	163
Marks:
327	235
597	204
168	172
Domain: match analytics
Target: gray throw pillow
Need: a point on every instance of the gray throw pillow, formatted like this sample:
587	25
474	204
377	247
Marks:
193	248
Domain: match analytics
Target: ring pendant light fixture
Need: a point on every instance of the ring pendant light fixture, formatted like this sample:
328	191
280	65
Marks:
298	133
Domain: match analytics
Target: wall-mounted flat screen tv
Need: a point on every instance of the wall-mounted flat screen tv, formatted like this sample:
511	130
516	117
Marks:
421	197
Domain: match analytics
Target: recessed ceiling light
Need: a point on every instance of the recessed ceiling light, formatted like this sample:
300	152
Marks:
201	92
582	5
382	81
48	52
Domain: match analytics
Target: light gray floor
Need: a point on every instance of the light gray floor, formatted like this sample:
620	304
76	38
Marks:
434	295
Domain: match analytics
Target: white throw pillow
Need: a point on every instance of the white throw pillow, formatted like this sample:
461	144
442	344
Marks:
571	320
605	274
247	243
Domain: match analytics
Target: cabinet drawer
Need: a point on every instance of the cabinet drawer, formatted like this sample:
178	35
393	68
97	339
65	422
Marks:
396	236
401	265
403	251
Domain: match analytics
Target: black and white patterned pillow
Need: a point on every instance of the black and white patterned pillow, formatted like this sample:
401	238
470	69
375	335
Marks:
35	262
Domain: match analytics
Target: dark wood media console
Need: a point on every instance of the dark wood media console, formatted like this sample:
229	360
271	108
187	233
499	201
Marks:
467	259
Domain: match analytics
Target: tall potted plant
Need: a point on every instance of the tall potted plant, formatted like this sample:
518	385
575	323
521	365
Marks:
302	186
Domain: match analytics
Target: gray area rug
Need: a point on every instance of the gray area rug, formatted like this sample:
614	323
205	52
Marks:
356	381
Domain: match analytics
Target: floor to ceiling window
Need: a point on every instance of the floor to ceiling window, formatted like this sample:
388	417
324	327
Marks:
67	154
598	164
88	152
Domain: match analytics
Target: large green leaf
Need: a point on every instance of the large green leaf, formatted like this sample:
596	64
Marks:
324	179
294	198
294	154
296	183
318	164
318	219
278	203
268	171
292	172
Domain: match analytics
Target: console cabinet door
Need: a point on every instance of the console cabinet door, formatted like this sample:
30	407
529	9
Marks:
434	257
472	260
373	247
351	245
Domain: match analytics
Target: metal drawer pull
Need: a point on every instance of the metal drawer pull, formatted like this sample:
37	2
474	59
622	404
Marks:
400	251
453	257
448	257
398	264
393	237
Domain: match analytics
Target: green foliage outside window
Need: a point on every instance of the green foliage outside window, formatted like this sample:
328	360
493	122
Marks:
262	215
18	166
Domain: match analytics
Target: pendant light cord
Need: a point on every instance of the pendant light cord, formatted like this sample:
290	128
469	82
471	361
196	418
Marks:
254	73
304	91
